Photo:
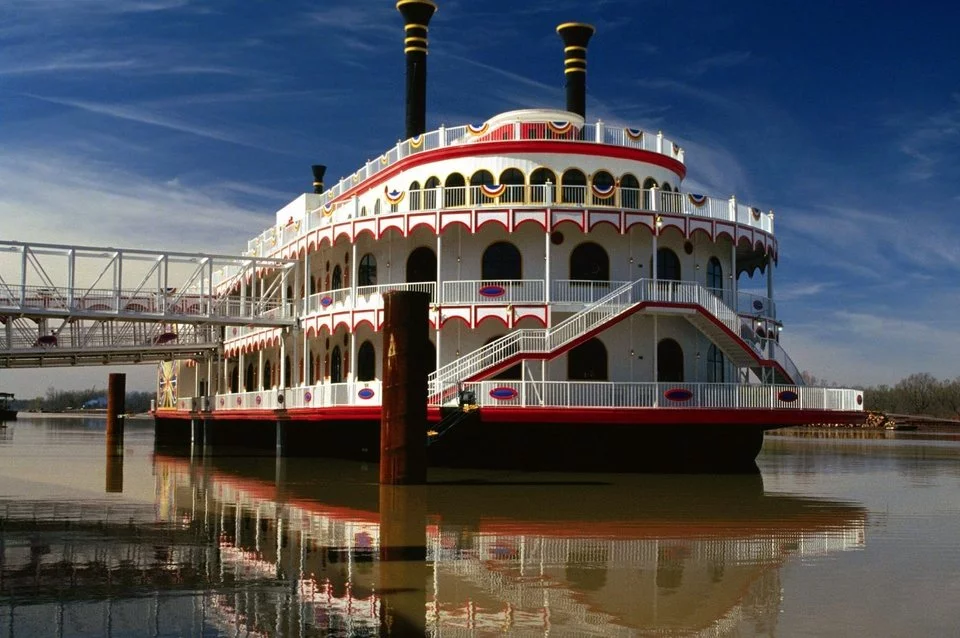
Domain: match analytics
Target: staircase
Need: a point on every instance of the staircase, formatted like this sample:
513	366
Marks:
714	318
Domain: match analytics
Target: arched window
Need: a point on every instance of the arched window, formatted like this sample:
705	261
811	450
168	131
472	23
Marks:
250	378
421	265
603	187
513	373
513	179
366	362
574	186
430	193
715	276
715	364
668	265
589	262
376	207
286	369
336	280
501	260
367	271
587	362
415	196
478	179
540	191
454	191
313	285
669	361
235	380
267	379
647	195
336	365
629	191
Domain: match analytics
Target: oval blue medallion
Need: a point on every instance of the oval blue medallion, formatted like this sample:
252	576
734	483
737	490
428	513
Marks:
366	393
326	301
678	394
307	397
493	291
788	396
503	394
757	304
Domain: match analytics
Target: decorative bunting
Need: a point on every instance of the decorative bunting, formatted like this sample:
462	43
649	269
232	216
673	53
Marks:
634	134
355	178
477	131
600	192
416	142
697	200
493	191
560	128
755	212
327	210
676	148
384	160
394	196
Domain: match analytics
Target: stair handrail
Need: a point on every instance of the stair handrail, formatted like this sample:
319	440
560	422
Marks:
517	342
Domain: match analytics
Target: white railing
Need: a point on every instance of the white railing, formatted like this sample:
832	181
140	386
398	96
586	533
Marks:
575	291
257	400
328	299
595	394
755	305
333	394
561	394
273	239
494	291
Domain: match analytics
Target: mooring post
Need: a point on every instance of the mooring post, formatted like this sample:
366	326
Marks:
116	407
403	420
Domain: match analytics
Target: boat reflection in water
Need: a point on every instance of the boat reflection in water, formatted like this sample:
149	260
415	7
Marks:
300	547
606	554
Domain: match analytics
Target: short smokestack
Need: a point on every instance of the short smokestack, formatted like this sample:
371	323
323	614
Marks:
318	172
575	36
416	18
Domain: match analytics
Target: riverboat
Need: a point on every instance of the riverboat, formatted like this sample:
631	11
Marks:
7	411
580	298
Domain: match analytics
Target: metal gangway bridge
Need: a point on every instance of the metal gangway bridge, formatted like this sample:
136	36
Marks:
83	305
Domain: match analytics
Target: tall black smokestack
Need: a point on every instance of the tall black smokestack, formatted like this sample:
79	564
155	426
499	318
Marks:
416	17
318	171
575	36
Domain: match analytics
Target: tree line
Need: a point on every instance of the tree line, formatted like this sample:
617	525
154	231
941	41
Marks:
918	394
66	400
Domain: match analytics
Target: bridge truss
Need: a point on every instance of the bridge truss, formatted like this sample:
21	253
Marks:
82	305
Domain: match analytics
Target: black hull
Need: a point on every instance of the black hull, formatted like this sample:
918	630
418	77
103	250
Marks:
8	415
572	447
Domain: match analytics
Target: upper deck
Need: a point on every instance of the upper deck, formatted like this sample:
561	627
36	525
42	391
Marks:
521	125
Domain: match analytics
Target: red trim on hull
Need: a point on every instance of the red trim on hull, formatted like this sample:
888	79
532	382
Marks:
587	417
517	146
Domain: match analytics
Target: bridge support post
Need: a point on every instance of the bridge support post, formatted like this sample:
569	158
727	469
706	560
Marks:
403	420
116	406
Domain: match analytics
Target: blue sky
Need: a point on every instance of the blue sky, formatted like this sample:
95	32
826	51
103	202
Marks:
184	124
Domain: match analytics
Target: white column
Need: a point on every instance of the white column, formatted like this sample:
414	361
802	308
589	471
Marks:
546	271
241	376
656	363
260	369
735	302
283	356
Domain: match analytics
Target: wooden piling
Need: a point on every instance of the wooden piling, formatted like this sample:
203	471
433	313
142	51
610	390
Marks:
116	407
403	421
402	560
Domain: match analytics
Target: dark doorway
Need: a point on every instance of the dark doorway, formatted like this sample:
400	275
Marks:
669	361
589	262
366	362
501	261
336	365
421	265
668	265
587	362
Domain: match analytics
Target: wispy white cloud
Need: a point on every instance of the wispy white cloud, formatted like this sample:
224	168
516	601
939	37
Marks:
931	142
727	60
51	197
153	118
